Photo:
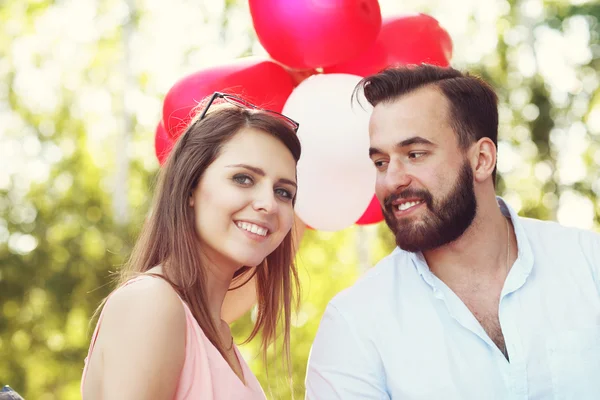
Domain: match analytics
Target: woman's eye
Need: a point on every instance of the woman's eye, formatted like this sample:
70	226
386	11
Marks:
243	179
284	193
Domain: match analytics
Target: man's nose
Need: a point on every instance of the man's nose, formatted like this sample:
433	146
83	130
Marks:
396	177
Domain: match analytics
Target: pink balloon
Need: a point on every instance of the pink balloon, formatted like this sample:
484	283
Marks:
305	34
258	80
162	143
407	39
372	214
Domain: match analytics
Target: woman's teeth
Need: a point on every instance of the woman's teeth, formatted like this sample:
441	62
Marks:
252	228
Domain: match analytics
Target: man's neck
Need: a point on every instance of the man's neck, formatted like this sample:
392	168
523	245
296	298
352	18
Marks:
479	253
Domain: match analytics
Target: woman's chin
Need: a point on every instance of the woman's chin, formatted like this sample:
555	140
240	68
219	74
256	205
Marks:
250	261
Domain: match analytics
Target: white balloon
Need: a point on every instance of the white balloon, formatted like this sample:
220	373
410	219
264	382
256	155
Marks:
336	178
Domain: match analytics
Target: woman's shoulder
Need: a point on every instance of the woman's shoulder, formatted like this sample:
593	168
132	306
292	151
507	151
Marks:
143	334
139	318
145	310
143	298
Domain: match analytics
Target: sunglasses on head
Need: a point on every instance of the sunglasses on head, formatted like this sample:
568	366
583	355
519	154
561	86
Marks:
239	102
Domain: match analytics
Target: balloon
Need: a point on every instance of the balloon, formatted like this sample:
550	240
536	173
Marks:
407	39
371	61
162	143
423	40
299	75
305	34
258	80
336	178
372	214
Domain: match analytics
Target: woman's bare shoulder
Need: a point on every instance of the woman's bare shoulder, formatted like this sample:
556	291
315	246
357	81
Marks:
142	339
149	299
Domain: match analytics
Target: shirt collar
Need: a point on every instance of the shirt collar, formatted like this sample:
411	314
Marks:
521	268
524	262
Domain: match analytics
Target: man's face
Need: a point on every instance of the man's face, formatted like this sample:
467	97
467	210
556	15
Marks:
424	180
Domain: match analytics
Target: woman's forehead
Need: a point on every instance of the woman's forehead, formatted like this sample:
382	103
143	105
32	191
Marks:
259	149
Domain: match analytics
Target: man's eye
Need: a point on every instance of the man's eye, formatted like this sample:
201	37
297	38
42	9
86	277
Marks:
416	154
380	163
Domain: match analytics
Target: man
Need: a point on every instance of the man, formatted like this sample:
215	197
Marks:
475	302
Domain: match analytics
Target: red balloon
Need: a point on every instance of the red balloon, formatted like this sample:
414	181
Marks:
407	39
258	80
162	143
305	34
373	60
422	40
372	214
299	75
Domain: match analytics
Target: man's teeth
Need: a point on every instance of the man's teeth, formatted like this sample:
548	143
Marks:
406	206
252	228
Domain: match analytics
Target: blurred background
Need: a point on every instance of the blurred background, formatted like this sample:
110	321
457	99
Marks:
81	90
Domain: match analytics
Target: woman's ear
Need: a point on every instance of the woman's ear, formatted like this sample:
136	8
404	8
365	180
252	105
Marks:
191	199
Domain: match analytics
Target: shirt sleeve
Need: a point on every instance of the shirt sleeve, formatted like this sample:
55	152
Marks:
341	365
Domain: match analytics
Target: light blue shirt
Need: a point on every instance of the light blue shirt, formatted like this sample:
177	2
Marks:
401	333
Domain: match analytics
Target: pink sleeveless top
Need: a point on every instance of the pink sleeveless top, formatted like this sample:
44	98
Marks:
205	373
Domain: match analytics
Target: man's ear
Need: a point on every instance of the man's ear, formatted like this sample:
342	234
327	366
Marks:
483	159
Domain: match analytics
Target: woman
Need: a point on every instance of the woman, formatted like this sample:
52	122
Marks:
223	205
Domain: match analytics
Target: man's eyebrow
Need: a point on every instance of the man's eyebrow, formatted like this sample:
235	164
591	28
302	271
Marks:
404	143
374	150
415	140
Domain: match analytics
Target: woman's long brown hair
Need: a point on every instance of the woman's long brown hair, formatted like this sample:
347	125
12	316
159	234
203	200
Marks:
168	237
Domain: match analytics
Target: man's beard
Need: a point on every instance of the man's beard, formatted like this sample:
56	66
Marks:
443	222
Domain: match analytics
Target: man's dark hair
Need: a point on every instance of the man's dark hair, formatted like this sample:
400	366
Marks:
473	102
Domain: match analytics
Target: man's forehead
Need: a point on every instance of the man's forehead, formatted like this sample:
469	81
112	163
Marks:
422	113
423	100
422	105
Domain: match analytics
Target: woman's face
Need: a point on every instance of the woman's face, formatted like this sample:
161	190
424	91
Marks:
243	202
